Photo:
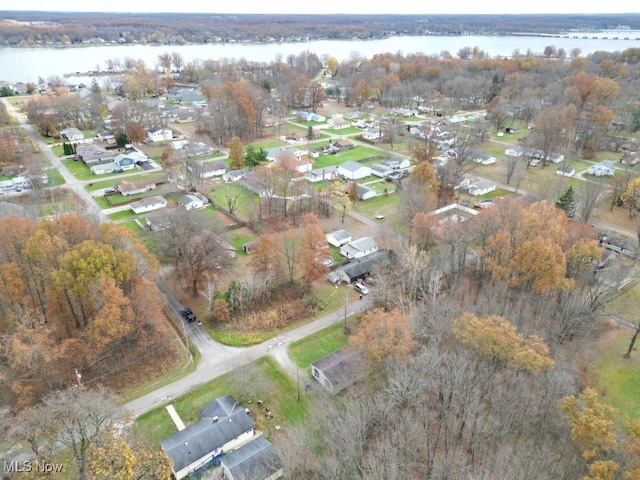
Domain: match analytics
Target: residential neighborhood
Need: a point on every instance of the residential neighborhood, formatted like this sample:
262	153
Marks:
241	262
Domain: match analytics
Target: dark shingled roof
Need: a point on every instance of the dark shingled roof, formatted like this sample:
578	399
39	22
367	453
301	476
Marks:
257	459
204	437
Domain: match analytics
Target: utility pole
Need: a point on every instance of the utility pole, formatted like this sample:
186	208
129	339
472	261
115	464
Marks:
346	304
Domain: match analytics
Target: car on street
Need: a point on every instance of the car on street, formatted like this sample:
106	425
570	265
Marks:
361	288
188	315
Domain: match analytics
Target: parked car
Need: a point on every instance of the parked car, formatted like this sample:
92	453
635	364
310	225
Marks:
361	288
188	315
484	204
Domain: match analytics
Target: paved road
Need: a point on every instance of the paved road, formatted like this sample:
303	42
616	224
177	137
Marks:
216	359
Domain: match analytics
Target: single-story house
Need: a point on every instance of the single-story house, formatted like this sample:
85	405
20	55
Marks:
371	134
404	112
516	151
630	158
256	184
359	248
300	164
72	134
380	170
604	168
360	268
337	122
158	223
185	115
207	170
320	174
481	188
565	171
396	163
618	244
197	149
337	238
105	136
256	460
92	154
148	204
126	161
483	158
353	170
343	144
132	188
202	444
190	202
234	175
512	129
274	153
159	134
340	369
365	193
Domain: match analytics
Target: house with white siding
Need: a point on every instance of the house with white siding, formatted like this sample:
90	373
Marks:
359	248
148	204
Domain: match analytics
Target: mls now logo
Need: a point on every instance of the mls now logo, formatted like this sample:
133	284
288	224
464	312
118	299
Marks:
32	466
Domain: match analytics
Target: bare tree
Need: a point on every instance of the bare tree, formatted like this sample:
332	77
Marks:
589	194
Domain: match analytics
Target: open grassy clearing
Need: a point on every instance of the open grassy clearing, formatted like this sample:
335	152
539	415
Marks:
262	380
306	351
78	169
381	205
341	132
121	215
617	379
111	180
220	193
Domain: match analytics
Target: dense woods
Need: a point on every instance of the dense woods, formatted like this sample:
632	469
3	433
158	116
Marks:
76	298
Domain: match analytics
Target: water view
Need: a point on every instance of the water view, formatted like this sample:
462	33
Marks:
27	64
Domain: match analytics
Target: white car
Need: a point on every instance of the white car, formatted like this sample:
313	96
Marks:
361	288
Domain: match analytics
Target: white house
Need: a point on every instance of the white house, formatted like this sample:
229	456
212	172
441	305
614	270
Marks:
565	171
225	426
380	170
481	188
396	163
148	204
359	248
353	170
190	202
132	188
516	151
72	134
320	174
371	134
207	170
234	175
365	193
159	134
337	238
604	168
337	122
483	158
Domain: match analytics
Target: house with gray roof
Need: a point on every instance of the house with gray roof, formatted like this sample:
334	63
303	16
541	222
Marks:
340	369
320	174
148	204
353	170
201	445
359	248
360	268
256	460
93	154
71	134
337	238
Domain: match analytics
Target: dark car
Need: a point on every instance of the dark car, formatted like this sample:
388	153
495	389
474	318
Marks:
188	315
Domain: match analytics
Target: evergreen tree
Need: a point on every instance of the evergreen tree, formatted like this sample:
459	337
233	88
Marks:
255	157
567	202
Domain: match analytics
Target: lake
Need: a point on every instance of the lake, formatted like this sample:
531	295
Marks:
27	64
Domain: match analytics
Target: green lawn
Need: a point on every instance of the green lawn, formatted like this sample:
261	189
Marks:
111	180
134	227
78	169
262	380
219	194
122	215
267	143
342	131
356	153
306	351
617	379
379	206
237	238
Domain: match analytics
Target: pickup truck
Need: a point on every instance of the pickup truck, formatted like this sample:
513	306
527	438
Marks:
188	315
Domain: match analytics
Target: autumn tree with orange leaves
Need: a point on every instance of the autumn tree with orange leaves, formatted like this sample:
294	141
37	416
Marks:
382	335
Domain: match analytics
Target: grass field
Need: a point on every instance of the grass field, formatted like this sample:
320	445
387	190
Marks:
306	351
112	180
122	215
78	169
220	193
262	380
617	379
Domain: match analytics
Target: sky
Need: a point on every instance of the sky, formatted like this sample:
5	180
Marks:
330	6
